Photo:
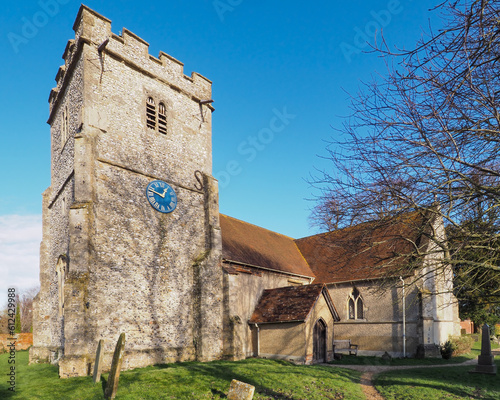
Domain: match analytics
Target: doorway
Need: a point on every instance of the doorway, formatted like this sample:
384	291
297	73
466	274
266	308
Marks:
319	341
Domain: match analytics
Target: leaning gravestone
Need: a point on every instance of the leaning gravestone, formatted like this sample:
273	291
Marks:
485	362
98	362
240	391
116	366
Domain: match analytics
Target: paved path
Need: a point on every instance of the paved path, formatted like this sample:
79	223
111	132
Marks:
369	371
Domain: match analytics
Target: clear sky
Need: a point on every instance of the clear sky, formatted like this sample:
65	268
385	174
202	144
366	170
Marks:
299	60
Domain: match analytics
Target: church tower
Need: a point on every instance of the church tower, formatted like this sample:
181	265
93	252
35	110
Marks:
131	236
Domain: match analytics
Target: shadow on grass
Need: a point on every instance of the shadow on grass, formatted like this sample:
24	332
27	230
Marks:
440	382
104	383
378	361
267	375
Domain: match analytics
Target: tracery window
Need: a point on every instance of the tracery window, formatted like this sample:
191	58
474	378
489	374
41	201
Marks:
355	305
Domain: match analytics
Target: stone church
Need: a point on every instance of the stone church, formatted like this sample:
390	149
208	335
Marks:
133	240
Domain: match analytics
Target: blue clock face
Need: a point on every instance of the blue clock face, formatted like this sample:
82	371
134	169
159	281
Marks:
161	196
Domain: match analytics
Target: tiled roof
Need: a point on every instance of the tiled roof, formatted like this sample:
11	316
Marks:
291	303
255	246
366	251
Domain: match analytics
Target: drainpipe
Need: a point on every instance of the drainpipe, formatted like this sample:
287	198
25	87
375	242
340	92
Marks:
404	318
258	342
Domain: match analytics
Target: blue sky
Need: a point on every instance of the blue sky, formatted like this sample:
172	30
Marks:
265	58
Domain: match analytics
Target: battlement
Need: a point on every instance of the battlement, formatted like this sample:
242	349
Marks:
93	29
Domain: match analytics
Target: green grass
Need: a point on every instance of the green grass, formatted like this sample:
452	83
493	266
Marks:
438	383
193	381
441	382
369	360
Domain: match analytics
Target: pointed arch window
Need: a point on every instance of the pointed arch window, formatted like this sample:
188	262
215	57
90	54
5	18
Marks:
162	119
151	113
355	305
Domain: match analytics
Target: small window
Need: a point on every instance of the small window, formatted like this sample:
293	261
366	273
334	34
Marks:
355	305
359	309
162	119
151	113
352	314
64	126
61	272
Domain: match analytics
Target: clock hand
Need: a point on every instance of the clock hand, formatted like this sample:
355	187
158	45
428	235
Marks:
159	194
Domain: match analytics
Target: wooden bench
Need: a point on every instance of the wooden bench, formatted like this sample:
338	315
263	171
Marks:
345	345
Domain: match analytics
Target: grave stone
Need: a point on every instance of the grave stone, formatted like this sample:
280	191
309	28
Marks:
96	377
240	391
485	362
116	366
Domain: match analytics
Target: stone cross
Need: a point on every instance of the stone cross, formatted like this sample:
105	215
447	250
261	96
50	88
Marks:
98	362
116	366
485	362
240	391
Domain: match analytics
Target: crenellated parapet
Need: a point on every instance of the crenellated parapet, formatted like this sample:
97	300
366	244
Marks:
93	29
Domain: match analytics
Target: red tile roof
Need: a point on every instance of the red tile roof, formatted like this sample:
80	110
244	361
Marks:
252	245
366	251
370	250
290	304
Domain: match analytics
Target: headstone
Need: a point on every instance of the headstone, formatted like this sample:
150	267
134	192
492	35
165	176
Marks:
116	366
386	356
240	391
485	362
96	377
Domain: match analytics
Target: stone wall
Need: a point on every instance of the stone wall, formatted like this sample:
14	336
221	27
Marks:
381	329
242	292
283	341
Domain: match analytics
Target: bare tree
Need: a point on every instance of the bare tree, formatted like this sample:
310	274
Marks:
425	140
26	307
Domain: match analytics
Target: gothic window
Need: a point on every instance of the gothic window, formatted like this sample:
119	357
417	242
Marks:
352	314
156	115
355	305
359	309
151	113
162	119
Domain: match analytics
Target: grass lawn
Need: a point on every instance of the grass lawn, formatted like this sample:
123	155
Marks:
438	383
368	360
193	381
441	382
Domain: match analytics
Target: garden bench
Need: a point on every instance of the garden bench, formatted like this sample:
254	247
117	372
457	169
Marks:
345	345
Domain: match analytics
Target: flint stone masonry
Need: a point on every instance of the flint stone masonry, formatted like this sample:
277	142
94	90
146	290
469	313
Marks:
155	276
